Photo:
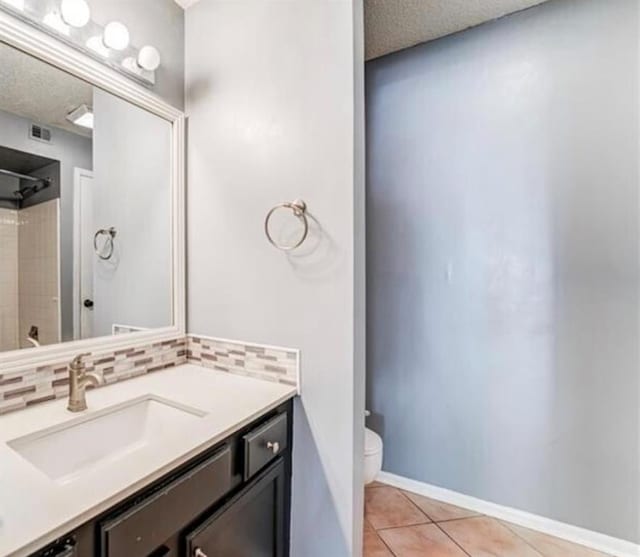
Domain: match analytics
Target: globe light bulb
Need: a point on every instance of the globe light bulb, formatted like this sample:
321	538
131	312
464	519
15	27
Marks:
116	36
149	58
75	13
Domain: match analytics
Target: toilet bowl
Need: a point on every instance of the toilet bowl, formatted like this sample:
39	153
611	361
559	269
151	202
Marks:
372	455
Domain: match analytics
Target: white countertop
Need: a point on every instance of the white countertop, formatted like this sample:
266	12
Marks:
35	510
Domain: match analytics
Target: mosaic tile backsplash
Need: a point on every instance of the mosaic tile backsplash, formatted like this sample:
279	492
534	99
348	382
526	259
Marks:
262	362
28	386
25	387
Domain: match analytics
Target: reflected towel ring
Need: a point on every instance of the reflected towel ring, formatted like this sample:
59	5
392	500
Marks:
299	209
110	233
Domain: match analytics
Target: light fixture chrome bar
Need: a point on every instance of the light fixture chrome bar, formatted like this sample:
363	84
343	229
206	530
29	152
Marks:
20	176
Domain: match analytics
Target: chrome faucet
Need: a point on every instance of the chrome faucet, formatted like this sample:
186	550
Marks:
78	381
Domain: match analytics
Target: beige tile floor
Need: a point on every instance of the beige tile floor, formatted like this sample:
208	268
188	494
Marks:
402	524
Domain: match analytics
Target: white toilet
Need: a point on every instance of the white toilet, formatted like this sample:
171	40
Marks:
372	455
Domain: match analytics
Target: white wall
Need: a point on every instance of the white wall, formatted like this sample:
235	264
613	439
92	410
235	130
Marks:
72	151
274	103
504	279
132	173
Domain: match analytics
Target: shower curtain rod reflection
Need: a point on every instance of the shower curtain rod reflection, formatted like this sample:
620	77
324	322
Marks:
23	193
21	176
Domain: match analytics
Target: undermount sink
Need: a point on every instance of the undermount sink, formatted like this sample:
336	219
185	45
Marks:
65	452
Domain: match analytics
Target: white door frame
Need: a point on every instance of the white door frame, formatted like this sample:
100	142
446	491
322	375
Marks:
78	174
59	255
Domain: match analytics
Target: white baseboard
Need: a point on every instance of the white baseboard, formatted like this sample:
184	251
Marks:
575	534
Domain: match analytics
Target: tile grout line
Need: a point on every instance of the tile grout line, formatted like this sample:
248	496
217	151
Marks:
538	551
504	526
457	519
413	525
407	498
412	503
386	545
452	539
375	531
420	524
416	506
473	515
432	521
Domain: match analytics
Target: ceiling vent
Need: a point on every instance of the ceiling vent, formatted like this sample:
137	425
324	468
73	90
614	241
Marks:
40	133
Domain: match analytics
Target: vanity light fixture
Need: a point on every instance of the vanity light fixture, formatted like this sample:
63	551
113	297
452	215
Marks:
116	36
75	12
70	22
81	116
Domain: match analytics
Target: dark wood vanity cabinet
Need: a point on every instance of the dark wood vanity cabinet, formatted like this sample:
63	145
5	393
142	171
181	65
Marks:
233	500
250	525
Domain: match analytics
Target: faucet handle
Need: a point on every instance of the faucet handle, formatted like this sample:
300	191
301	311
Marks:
77	362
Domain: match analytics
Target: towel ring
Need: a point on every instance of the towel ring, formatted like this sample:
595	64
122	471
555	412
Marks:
299	209
110	233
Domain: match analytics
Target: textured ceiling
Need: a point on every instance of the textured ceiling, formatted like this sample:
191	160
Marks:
39	92
392	25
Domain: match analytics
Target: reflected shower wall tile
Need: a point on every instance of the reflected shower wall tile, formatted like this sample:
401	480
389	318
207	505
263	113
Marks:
38	273
8	279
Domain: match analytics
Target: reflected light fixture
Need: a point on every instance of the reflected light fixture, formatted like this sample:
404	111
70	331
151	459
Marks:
75	12
81	116
116	36
149	58
95	43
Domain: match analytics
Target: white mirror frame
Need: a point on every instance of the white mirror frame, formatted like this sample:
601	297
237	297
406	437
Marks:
35	43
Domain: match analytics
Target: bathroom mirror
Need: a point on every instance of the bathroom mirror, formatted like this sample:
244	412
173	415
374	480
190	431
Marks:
90	201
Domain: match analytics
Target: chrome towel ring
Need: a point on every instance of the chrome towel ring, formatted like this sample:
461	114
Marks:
299	209
107	247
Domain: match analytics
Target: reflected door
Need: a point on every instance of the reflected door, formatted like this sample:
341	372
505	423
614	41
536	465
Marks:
84	253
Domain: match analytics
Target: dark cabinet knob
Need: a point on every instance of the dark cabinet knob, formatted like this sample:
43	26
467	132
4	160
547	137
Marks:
88	303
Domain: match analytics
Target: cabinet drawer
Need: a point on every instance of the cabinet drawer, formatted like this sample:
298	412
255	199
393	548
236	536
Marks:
252	524
264	444
141	529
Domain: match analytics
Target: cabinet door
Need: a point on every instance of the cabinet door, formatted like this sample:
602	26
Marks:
252	524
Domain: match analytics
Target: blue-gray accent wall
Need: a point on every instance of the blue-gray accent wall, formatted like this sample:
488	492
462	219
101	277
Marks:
502	212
